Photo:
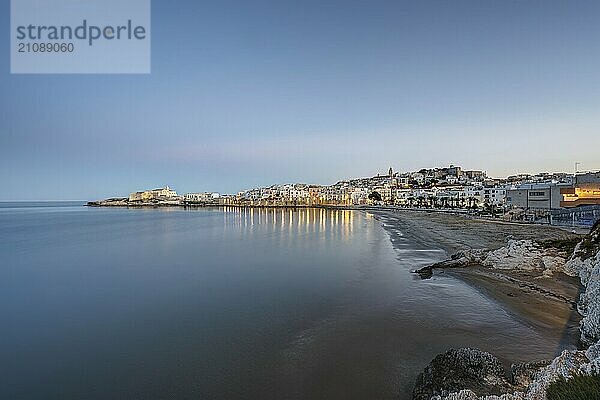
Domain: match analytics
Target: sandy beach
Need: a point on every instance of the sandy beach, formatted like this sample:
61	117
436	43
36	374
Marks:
545	303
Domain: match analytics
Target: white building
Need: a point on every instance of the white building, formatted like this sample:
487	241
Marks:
165	193
495	195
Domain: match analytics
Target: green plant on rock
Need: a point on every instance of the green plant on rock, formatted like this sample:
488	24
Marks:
590	245
579	387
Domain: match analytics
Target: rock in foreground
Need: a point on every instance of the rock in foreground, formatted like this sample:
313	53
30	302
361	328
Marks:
459	369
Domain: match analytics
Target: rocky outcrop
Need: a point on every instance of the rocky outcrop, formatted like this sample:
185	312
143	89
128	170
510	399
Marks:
458	369
460	259
116	202
593	354
532	383
525	255
565	365
585	263
589	303
516	255
523	374
469	395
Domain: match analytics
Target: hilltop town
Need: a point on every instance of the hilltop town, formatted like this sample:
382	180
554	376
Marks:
536	198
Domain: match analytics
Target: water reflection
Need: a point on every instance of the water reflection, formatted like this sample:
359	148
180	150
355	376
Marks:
338	223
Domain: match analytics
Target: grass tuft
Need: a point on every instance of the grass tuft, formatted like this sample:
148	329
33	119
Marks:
566	246
579	387
590	245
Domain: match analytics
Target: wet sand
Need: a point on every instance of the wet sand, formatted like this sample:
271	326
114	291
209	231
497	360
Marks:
547	304
544	303
453	232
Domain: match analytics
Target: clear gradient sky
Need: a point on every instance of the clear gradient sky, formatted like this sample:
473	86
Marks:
248	93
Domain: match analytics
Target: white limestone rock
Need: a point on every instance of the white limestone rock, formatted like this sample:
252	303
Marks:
469	395
589	304
525	255
565	365
588	270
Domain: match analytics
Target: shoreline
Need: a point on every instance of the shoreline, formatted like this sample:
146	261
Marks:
463	213
548	304
533	304
452	232
94	204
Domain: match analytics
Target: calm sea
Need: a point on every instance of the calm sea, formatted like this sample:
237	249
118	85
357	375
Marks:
99	303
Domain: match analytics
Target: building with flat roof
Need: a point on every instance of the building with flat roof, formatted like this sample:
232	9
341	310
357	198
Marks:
535	196
585	191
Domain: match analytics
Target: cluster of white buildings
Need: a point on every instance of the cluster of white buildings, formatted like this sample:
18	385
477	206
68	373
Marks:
447	188
439	187
450	187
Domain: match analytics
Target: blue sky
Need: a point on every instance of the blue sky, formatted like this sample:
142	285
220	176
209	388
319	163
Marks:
254	93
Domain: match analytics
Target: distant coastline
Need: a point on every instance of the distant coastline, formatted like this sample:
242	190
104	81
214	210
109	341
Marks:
159	204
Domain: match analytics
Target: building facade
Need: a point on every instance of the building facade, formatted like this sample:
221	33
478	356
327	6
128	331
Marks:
165	193
585	191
